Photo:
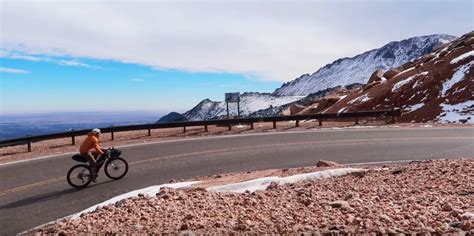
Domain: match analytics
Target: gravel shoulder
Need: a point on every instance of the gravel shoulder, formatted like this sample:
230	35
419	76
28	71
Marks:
433	196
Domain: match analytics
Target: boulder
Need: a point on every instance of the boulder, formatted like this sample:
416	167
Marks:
295	108
391	73
324	163
377	76
339	204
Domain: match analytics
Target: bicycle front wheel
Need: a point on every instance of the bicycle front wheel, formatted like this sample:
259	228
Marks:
79	176
116	168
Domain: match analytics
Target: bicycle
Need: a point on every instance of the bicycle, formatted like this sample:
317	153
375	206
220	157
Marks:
79	176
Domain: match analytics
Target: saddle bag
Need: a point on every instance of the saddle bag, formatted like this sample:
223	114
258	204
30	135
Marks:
79	158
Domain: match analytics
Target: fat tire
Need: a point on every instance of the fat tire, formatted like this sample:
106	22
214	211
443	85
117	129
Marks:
107	169
69	176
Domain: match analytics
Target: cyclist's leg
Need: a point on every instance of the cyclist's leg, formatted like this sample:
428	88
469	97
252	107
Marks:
92	161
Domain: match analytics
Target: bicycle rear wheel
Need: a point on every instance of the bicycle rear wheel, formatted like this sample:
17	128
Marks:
116	168
79	176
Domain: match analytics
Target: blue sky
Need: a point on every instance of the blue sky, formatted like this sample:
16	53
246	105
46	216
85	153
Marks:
56	84
168	55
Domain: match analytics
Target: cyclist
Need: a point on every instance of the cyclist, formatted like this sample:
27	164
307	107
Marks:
89	144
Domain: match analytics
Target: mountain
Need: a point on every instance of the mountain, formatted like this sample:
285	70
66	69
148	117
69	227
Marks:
306	101
249	103
357	69
172	117
438	86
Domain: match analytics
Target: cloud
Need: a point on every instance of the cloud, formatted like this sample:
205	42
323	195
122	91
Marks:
73	63
38	58
26	57
271	40
13	71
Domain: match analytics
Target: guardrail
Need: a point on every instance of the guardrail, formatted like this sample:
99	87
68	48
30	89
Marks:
224	122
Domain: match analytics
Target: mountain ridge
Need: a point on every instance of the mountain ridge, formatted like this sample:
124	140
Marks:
357	69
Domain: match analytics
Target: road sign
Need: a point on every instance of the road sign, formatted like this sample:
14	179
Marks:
232	97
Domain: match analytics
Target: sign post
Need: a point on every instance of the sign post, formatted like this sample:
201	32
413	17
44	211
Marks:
232	97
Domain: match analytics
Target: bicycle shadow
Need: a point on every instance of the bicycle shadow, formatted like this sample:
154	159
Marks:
47	196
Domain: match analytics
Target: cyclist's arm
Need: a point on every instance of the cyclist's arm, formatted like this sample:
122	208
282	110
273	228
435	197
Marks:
97	147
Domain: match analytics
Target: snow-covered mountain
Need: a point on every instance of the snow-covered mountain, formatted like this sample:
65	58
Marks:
306	101
358	69
438	86
249	103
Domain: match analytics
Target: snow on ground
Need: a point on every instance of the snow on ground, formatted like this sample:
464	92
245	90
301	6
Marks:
398	85
454	113
462	57
361	99
263	183
152	191
457	77
407	70
414	107
341	110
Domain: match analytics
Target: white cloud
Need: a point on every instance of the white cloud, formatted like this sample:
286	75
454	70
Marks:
26	57
273	40
13	70
73	63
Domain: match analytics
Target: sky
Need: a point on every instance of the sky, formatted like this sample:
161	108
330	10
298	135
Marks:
83	55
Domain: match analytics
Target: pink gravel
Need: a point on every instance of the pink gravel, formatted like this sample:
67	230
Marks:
425	197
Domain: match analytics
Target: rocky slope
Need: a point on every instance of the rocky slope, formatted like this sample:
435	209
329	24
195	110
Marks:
357	69
249	103
429	197
435	87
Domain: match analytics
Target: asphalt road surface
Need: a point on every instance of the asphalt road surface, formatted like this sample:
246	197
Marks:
36	192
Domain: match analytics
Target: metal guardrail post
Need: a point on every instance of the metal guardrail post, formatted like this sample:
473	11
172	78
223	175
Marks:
112	135
356	118
320	122
251	125
149	132
297	123
205	128
229	127
184	129
29	146
393	115
73	140
274	124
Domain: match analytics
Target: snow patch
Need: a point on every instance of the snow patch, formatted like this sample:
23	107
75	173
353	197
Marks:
457	77
414	107
342	110
405	71
263	183
152	191
398	85
462	57
361	99
454	113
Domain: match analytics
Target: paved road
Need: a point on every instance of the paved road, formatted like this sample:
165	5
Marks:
35	192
